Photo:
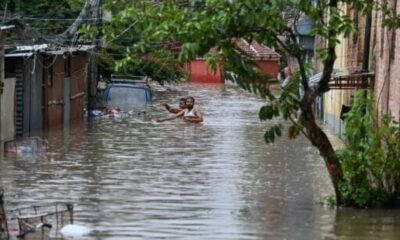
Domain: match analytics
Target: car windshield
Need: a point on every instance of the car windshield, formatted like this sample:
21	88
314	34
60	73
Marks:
126	98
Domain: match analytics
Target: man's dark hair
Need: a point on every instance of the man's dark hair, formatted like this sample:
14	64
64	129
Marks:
182	100
190	98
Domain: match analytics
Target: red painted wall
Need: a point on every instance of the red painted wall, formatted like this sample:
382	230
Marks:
269	67
198	72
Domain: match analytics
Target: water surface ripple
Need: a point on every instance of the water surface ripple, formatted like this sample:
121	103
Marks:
132	178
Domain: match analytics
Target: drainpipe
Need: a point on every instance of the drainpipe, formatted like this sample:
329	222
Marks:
367	42
365	63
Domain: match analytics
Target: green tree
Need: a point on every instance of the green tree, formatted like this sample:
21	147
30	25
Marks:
48	16
125	50
207	28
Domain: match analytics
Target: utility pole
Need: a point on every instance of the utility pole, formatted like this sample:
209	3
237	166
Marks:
1	91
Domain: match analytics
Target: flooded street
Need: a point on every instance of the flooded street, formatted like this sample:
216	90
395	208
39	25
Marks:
132	178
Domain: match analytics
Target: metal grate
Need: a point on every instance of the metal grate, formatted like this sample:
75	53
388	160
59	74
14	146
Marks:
352	81
19	102
40	219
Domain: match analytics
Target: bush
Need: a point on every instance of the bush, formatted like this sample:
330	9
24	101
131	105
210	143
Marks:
371	160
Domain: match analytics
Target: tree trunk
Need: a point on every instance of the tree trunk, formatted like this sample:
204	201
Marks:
315	134
319	139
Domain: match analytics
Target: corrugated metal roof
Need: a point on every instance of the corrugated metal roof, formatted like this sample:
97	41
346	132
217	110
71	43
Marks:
24	54
28	50
4	28
35	47
62	50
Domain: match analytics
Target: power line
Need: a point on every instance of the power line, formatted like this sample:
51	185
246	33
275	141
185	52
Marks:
53	19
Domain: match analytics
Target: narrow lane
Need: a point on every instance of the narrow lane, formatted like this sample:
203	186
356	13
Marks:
132	178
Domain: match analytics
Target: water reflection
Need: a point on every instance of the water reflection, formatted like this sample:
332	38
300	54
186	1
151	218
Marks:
132	178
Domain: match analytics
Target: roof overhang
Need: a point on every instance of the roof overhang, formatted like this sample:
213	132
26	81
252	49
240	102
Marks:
6	28
29	50
22	54
32	48
62	50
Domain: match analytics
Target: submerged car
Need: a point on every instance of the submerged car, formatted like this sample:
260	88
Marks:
123	95
127	96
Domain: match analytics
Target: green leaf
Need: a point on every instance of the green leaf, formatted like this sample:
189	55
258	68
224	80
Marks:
277	130
269	136
266	112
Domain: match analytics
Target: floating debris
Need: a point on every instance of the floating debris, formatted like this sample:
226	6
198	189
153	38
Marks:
38	219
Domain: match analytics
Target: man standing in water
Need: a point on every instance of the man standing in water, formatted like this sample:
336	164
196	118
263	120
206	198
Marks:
182	105
190	113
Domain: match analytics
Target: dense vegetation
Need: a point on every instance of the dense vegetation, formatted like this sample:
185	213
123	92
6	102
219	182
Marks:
48	16
371	160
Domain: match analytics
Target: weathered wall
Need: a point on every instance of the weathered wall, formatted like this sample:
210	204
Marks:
28	72
349	58
78	76
54	92
387	70
56	81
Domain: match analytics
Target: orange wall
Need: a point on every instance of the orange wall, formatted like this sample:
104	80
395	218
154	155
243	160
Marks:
198	72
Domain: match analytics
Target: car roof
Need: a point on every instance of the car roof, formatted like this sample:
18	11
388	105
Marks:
128	85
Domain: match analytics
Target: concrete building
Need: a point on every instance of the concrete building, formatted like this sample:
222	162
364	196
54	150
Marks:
349	74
